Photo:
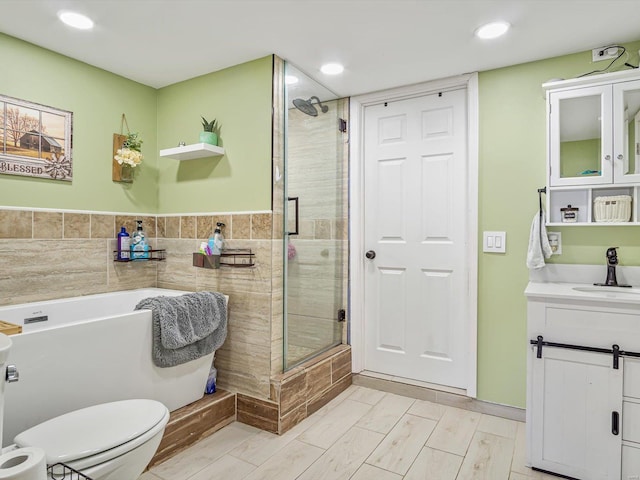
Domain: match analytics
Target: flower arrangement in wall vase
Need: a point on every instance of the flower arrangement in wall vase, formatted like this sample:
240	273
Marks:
127	153
210	133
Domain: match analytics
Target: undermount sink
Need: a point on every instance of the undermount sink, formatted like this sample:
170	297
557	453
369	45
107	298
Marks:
609	291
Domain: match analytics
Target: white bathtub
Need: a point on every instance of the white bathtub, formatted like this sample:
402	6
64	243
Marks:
91	349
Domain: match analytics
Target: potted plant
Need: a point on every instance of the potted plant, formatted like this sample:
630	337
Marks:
210	133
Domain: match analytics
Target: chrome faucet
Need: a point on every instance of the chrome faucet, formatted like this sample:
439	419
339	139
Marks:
612	261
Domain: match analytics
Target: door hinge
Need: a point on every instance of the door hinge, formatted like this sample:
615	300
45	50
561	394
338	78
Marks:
342	125
342	315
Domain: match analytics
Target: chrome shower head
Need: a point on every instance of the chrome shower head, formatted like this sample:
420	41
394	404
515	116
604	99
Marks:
306	106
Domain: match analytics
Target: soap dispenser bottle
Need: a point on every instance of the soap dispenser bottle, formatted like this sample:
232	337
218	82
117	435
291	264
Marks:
124	243
139	246
218	239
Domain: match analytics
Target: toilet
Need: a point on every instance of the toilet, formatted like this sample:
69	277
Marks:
109	441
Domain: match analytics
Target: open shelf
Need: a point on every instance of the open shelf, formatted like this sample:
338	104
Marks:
191	152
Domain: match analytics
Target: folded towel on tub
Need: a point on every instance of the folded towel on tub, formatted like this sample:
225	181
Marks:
186	327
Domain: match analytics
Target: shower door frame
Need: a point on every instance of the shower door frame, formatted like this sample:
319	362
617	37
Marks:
356	212
342	105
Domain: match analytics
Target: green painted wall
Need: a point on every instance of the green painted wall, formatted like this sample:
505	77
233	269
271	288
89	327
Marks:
97	99
512	167
240	99
578	156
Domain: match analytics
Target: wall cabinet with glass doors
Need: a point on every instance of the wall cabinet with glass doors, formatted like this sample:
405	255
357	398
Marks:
593	146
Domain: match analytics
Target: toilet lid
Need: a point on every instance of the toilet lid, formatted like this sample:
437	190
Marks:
89	431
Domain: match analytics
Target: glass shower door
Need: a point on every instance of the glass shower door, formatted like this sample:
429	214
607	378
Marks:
316	250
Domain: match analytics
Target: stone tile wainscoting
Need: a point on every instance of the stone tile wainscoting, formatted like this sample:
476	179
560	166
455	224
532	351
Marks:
244	361
46	254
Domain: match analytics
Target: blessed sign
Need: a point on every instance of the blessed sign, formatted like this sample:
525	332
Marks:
35	140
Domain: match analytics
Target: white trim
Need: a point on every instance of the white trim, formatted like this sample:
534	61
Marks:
356	235
473	132
356	221
142	214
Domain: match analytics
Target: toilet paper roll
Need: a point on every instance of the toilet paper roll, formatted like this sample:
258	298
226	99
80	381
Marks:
27	463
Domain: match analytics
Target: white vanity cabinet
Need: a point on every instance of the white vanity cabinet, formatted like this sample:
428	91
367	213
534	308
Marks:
593	147
577	396
583	402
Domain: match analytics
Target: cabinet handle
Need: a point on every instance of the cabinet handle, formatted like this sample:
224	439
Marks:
620	157
607	157
615	422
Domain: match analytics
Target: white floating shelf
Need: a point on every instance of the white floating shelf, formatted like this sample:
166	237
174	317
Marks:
191	152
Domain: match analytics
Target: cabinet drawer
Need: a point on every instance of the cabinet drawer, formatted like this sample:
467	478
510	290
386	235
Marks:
631	386
631	421
591	326
630	462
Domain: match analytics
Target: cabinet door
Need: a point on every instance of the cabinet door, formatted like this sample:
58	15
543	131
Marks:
626	129
574	394
580	143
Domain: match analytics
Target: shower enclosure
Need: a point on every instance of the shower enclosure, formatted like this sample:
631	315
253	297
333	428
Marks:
315	218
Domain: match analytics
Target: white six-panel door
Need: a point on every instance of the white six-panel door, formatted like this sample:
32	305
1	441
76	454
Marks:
415	220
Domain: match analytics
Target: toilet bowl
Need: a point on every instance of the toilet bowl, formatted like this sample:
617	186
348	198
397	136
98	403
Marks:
110	441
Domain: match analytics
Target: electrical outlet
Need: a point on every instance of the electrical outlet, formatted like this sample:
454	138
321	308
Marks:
604	53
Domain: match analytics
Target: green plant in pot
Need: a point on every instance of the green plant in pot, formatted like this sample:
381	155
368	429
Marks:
210	133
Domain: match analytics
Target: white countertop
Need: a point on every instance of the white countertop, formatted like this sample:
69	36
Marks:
582	291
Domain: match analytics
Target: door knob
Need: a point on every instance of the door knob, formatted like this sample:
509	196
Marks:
370	254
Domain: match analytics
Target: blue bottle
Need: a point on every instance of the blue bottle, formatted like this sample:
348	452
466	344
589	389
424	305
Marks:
124	242
139	245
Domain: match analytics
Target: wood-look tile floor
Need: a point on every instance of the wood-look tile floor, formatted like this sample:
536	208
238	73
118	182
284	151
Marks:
363	434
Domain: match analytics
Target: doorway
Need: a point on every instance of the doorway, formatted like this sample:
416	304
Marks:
414	233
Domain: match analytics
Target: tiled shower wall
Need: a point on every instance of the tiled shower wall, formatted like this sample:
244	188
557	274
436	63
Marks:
317	173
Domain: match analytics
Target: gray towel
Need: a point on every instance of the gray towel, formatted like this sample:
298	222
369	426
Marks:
186	327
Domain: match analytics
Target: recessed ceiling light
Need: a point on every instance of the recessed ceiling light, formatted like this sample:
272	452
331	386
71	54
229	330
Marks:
331	68
76	20
492	30
290	79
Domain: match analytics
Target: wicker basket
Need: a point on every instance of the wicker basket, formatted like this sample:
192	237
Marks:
616	208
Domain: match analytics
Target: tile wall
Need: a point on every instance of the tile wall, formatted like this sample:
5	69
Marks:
53	254
244	361
56	254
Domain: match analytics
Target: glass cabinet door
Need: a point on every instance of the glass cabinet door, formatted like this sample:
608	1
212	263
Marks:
626	129
580	130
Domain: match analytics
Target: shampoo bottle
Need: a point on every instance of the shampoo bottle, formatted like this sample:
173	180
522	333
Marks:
218	239
139	246
124	241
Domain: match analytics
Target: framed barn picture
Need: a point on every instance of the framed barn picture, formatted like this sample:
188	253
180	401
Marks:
35	140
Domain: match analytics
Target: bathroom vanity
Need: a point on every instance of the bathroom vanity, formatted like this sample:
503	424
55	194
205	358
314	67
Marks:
583	380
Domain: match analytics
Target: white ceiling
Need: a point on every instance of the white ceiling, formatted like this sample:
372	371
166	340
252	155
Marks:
382	43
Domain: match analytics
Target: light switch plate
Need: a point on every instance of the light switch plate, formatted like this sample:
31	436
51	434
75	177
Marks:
494	242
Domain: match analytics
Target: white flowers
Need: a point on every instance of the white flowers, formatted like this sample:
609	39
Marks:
128	156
